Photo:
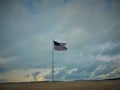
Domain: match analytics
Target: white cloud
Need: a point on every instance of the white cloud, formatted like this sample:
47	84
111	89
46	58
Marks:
115	73
76	36
99	68
103	52
106	58
5	60
72	71
106	46
19	75
57	70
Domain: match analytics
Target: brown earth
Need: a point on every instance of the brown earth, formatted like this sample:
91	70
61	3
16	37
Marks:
73	85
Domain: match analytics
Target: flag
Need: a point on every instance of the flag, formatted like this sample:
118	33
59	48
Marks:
59	46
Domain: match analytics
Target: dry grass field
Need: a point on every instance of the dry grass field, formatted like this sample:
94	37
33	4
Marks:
75	85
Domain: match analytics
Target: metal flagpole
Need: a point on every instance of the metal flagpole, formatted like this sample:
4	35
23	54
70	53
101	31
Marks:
52	65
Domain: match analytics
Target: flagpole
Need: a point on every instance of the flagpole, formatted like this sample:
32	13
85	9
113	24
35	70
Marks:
52	65
60	47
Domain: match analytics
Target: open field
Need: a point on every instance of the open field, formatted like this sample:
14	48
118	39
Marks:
75	85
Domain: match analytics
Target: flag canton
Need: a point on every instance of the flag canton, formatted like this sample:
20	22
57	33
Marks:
56	43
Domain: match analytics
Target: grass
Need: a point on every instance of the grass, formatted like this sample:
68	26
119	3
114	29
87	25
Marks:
75	85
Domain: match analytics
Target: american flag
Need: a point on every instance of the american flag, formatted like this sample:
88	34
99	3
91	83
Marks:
59	46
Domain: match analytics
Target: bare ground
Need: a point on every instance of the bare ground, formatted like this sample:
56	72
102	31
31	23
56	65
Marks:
76	85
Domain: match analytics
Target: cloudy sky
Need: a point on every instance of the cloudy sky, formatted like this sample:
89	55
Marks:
91	29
